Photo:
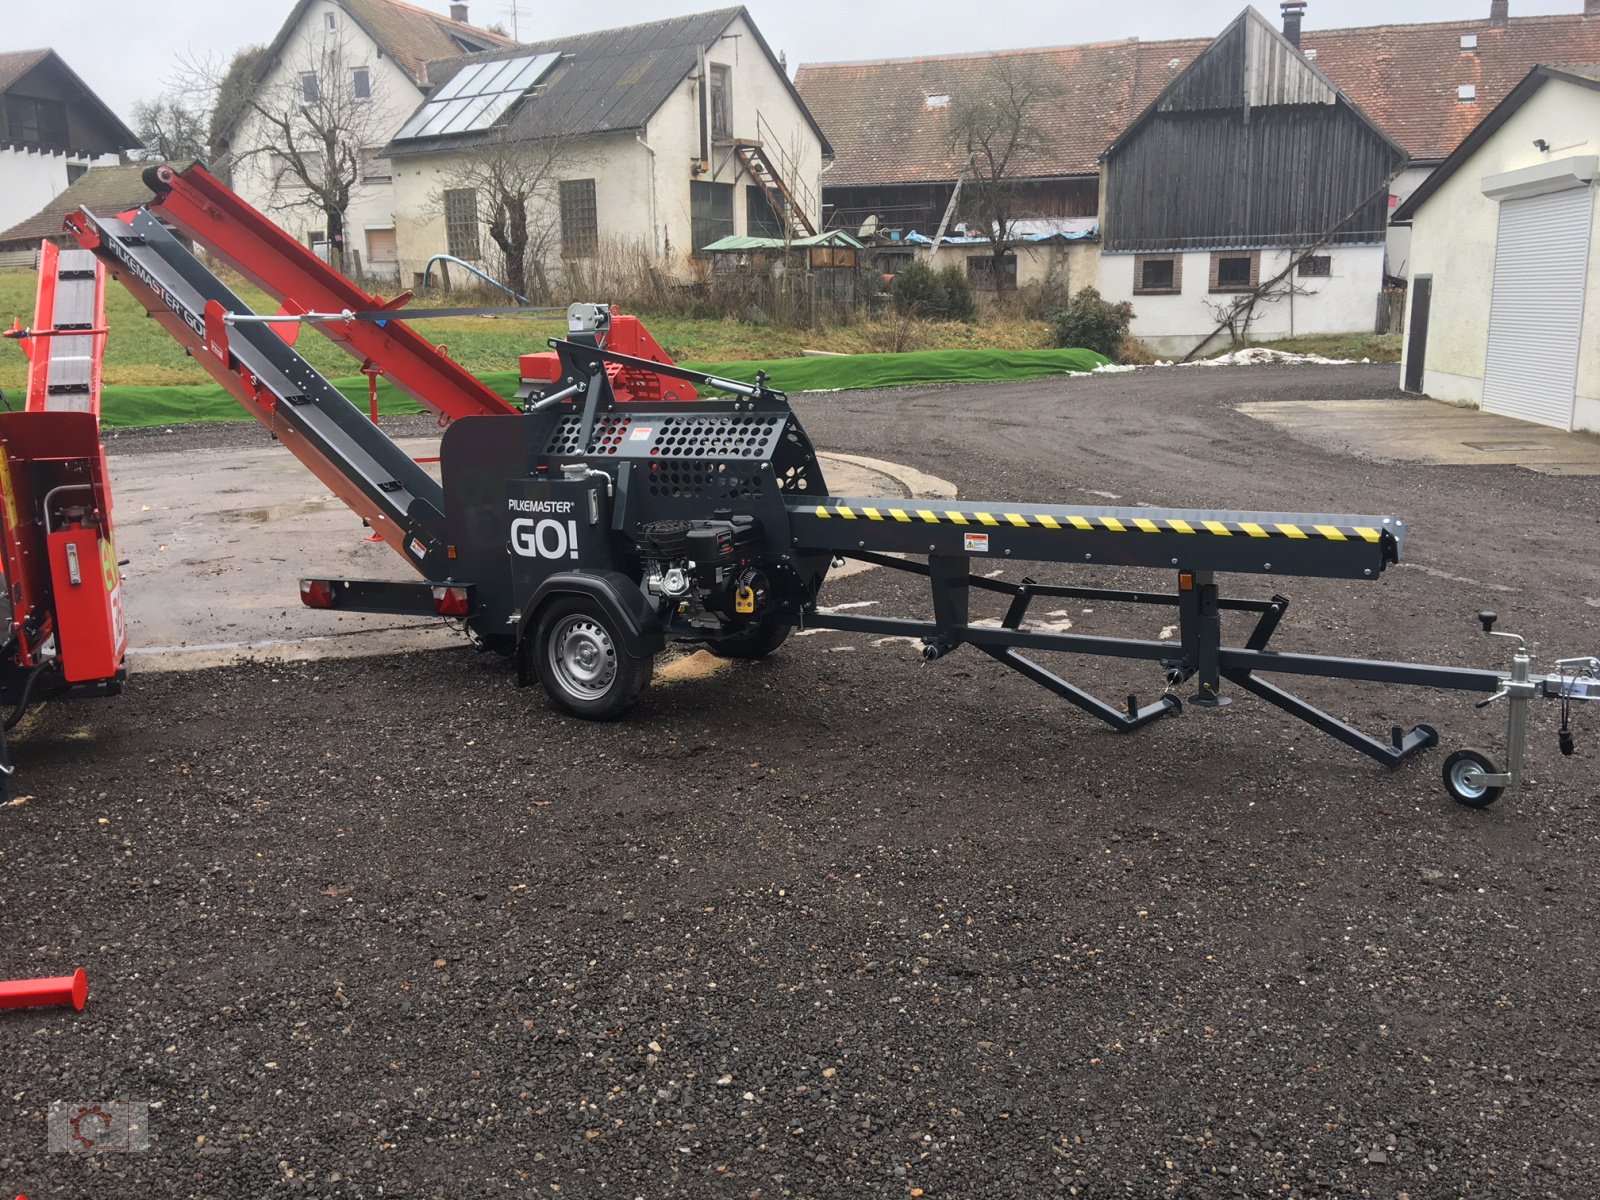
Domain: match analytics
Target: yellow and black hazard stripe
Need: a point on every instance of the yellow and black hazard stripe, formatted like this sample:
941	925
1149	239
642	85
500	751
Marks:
1098	523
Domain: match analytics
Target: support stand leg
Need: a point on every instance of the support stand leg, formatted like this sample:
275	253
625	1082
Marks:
1400	747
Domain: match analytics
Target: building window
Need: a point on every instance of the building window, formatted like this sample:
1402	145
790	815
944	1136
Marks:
1234	270
1467	93
1157	274
37	123
1316	266
580	219
76	171
375	168
761	219
710	213
721	101
310	88
981	272
361	83
461	222
330	22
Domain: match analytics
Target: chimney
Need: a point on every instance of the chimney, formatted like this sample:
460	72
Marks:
1500	10
458	12
1591	8
1293	12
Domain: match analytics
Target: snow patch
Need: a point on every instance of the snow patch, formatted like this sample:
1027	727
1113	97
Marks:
1255	356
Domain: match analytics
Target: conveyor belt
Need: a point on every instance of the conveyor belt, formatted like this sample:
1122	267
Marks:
312	417
1339	547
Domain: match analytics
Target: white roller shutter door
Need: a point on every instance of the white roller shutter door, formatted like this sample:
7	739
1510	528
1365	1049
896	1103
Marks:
1541	263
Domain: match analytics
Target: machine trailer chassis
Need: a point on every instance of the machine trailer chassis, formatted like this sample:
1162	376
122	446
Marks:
581	532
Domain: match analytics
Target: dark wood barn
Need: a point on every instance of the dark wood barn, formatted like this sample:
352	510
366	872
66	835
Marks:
1251	146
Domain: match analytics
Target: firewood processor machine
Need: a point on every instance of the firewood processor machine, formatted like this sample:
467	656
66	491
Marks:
614	509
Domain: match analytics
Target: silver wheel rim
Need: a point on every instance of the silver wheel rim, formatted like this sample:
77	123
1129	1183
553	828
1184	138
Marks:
583	657
1468	779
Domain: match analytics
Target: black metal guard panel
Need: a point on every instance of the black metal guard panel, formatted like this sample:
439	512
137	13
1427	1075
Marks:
1339	547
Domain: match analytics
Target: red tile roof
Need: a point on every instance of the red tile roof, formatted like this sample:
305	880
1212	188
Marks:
415	37
1405	77
886	125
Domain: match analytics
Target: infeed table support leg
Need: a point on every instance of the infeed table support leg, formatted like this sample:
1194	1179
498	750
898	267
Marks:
1400	747
1122	722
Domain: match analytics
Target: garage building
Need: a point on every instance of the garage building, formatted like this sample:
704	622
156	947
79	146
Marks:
1504	298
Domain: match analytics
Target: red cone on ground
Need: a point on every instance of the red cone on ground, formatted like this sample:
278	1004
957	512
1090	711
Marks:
36	993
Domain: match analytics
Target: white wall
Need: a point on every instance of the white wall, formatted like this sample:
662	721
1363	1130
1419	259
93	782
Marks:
1345	302
395	96
674	135
1453	239
1398	242
617	163
30	180
1070	265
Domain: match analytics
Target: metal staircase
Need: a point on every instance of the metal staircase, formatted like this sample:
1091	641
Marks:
764	160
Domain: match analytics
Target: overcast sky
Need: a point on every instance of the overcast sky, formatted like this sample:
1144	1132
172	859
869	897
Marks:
123	48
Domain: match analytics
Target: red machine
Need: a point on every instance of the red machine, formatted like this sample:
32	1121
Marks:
631	384
62	629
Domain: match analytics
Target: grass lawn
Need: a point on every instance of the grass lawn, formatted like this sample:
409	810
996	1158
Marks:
1379	347
140	353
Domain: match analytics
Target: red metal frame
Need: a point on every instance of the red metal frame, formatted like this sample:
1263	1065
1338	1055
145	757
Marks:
56	542
202	207
35	342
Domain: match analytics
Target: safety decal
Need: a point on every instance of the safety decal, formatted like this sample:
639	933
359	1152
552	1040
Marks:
1097	523
976	543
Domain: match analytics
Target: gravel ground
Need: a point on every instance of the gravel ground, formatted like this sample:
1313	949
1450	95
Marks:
841	924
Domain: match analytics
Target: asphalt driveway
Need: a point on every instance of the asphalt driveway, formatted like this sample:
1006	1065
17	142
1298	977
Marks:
843	924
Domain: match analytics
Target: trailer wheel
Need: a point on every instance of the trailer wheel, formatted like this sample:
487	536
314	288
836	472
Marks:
760	640
583	663
1463	778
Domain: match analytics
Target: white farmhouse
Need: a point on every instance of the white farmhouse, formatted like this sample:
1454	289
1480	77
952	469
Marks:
1505	259
658	139
53	129
351	68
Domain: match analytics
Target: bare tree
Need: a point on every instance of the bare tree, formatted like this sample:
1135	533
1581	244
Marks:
516	187
997	128
312	133
173	128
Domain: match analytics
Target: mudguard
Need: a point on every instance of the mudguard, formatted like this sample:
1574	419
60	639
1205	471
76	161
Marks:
637	622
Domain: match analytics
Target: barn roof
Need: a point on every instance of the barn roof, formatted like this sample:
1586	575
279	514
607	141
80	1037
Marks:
1404	77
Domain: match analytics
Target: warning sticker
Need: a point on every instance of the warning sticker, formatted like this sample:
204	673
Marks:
641	433
976	543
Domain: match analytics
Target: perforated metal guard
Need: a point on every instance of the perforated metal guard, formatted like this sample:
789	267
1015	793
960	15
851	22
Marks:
673	435
698	455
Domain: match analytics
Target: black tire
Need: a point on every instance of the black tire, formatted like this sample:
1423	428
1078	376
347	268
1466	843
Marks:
760	640
582	661
1463	772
